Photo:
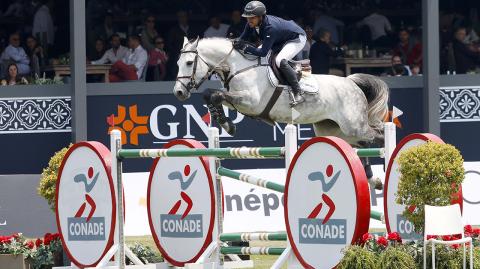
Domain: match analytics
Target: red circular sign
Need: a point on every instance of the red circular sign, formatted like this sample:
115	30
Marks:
85	203
181	205
393	211
327	201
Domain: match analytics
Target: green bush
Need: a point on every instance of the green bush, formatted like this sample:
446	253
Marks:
396	258
145	254
447	257
48	179
430	175
358	257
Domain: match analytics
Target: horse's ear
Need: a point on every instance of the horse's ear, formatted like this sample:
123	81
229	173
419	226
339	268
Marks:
195	43
185	41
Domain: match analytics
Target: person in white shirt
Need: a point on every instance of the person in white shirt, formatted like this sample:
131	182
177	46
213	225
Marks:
43	28
379	25
217	28
15	53
132	65
116	53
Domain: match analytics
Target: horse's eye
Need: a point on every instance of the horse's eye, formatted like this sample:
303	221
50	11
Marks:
189	63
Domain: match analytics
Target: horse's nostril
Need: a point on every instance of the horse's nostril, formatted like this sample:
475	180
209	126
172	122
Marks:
179	93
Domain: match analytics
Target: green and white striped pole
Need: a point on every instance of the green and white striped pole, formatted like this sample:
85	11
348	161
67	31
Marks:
251	179
247	237
226	153
371	152
251	250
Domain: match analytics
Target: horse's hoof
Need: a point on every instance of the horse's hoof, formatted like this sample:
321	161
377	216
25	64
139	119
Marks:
376	182
228	126
232	129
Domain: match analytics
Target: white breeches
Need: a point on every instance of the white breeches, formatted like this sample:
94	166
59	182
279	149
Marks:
291	49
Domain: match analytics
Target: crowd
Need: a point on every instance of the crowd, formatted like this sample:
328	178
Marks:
140	44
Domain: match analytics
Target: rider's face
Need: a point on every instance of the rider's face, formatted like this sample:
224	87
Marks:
253	21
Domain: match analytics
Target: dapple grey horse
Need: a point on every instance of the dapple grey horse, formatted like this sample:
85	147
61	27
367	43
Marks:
352	108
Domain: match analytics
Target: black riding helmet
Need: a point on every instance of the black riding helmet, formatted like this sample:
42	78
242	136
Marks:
254	8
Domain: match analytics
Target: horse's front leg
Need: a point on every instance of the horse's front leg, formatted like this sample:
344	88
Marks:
214	98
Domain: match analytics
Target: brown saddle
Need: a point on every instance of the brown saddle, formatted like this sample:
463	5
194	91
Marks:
299	66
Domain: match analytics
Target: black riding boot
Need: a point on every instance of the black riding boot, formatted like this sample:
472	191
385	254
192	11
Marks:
291	77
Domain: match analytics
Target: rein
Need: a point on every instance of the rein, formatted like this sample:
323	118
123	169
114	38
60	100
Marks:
193	84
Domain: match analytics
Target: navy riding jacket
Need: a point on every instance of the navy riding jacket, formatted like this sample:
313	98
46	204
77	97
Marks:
274	32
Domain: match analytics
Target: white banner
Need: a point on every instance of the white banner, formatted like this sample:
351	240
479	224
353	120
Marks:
253	209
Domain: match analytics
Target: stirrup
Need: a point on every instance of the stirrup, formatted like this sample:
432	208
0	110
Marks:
295	101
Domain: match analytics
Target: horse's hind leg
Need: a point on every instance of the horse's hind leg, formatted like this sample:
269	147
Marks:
356	125
329	127
376	182
214	98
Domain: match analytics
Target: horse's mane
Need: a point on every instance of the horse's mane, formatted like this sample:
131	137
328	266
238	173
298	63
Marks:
216	41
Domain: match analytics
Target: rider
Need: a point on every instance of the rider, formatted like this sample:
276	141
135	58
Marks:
281	36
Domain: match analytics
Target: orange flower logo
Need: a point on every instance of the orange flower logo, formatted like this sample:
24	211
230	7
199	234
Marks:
133	126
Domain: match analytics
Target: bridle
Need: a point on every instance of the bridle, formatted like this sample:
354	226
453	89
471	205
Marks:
192	83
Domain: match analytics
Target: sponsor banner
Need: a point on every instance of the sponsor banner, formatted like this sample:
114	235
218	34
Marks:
17	195
244	202
42	124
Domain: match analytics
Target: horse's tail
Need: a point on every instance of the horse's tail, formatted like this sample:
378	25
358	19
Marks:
376	91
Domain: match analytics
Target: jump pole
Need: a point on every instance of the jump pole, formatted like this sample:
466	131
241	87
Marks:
119	249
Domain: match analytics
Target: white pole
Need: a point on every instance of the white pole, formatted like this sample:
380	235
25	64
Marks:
291	146
390	140
290	143
214	164
116	166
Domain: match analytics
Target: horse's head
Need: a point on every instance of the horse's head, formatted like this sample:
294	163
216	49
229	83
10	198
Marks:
192	70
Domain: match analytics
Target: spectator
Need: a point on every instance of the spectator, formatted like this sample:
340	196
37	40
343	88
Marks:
116	53
467	57
322	51
106	29
397	68
237	26
13	77
325	22
409	51
175	40
157	61
131	67
379	26
35	53
305	53
416	70
149	33
99	50
43	28
16	54
216	29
